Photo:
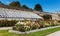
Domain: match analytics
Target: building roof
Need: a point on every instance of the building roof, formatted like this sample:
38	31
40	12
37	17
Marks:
9	13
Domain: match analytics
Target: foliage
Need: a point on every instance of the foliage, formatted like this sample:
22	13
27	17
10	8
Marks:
47	25
6	23
41	24
38	7
27	28
15	4
47	17
20	26
31	25
25	7
35	26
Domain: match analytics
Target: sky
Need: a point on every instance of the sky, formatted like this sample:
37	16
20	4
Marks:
47	5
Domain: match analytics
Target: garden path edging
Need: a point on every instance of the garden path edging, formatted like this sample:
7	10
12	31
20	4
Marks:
17	32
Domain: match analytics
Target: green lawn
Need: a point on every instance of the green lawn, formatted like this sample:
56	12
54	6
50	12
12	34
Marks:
40	33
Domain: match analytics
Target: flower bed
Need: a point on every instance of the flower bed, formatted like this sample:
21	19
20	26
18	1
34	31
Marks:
27	32
31	25
23	27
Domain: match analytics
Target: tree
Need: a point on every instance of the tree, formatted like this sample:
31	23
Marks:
47	17
15	4
25	7
38	7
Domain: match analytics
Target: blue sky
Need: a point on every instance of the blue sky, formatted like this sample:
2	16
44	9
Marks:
47	5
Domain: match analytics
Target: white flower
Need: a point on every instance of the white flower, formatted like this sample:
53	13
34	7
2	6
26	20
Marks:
27	26
18	22
23	23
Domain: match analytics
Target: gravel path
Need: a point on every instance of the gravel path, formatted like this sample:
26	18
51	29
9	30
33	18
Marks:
55	34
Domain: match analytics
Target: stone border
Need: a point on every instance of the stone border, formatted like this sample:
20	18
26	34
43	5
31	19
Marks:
17	32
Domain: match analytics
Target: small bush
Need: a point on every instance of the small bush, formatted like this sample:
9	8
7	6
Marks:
27	28
6	23
35	26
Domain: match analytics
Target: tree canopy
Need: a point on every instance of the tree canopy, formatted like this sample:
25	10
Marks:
47	17
25	7
38	7
15	4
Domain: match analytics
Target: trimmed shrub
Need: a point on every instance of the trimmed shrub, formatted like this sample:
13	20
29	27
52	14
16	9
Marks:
6	23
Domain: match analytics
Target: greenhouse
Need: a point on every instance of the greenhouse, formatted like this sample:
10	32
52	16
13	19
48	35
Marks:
17	14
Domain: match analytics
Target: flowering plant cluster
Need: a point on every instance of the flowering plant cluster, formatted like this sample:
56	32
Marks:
30	25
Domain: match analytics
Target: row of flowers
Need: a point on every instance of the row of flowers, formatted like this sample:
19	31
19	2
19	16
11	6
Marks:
28	25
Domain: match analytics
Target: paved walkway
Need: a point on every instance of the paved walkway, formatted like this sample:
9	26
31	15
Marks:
55	34
5	28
